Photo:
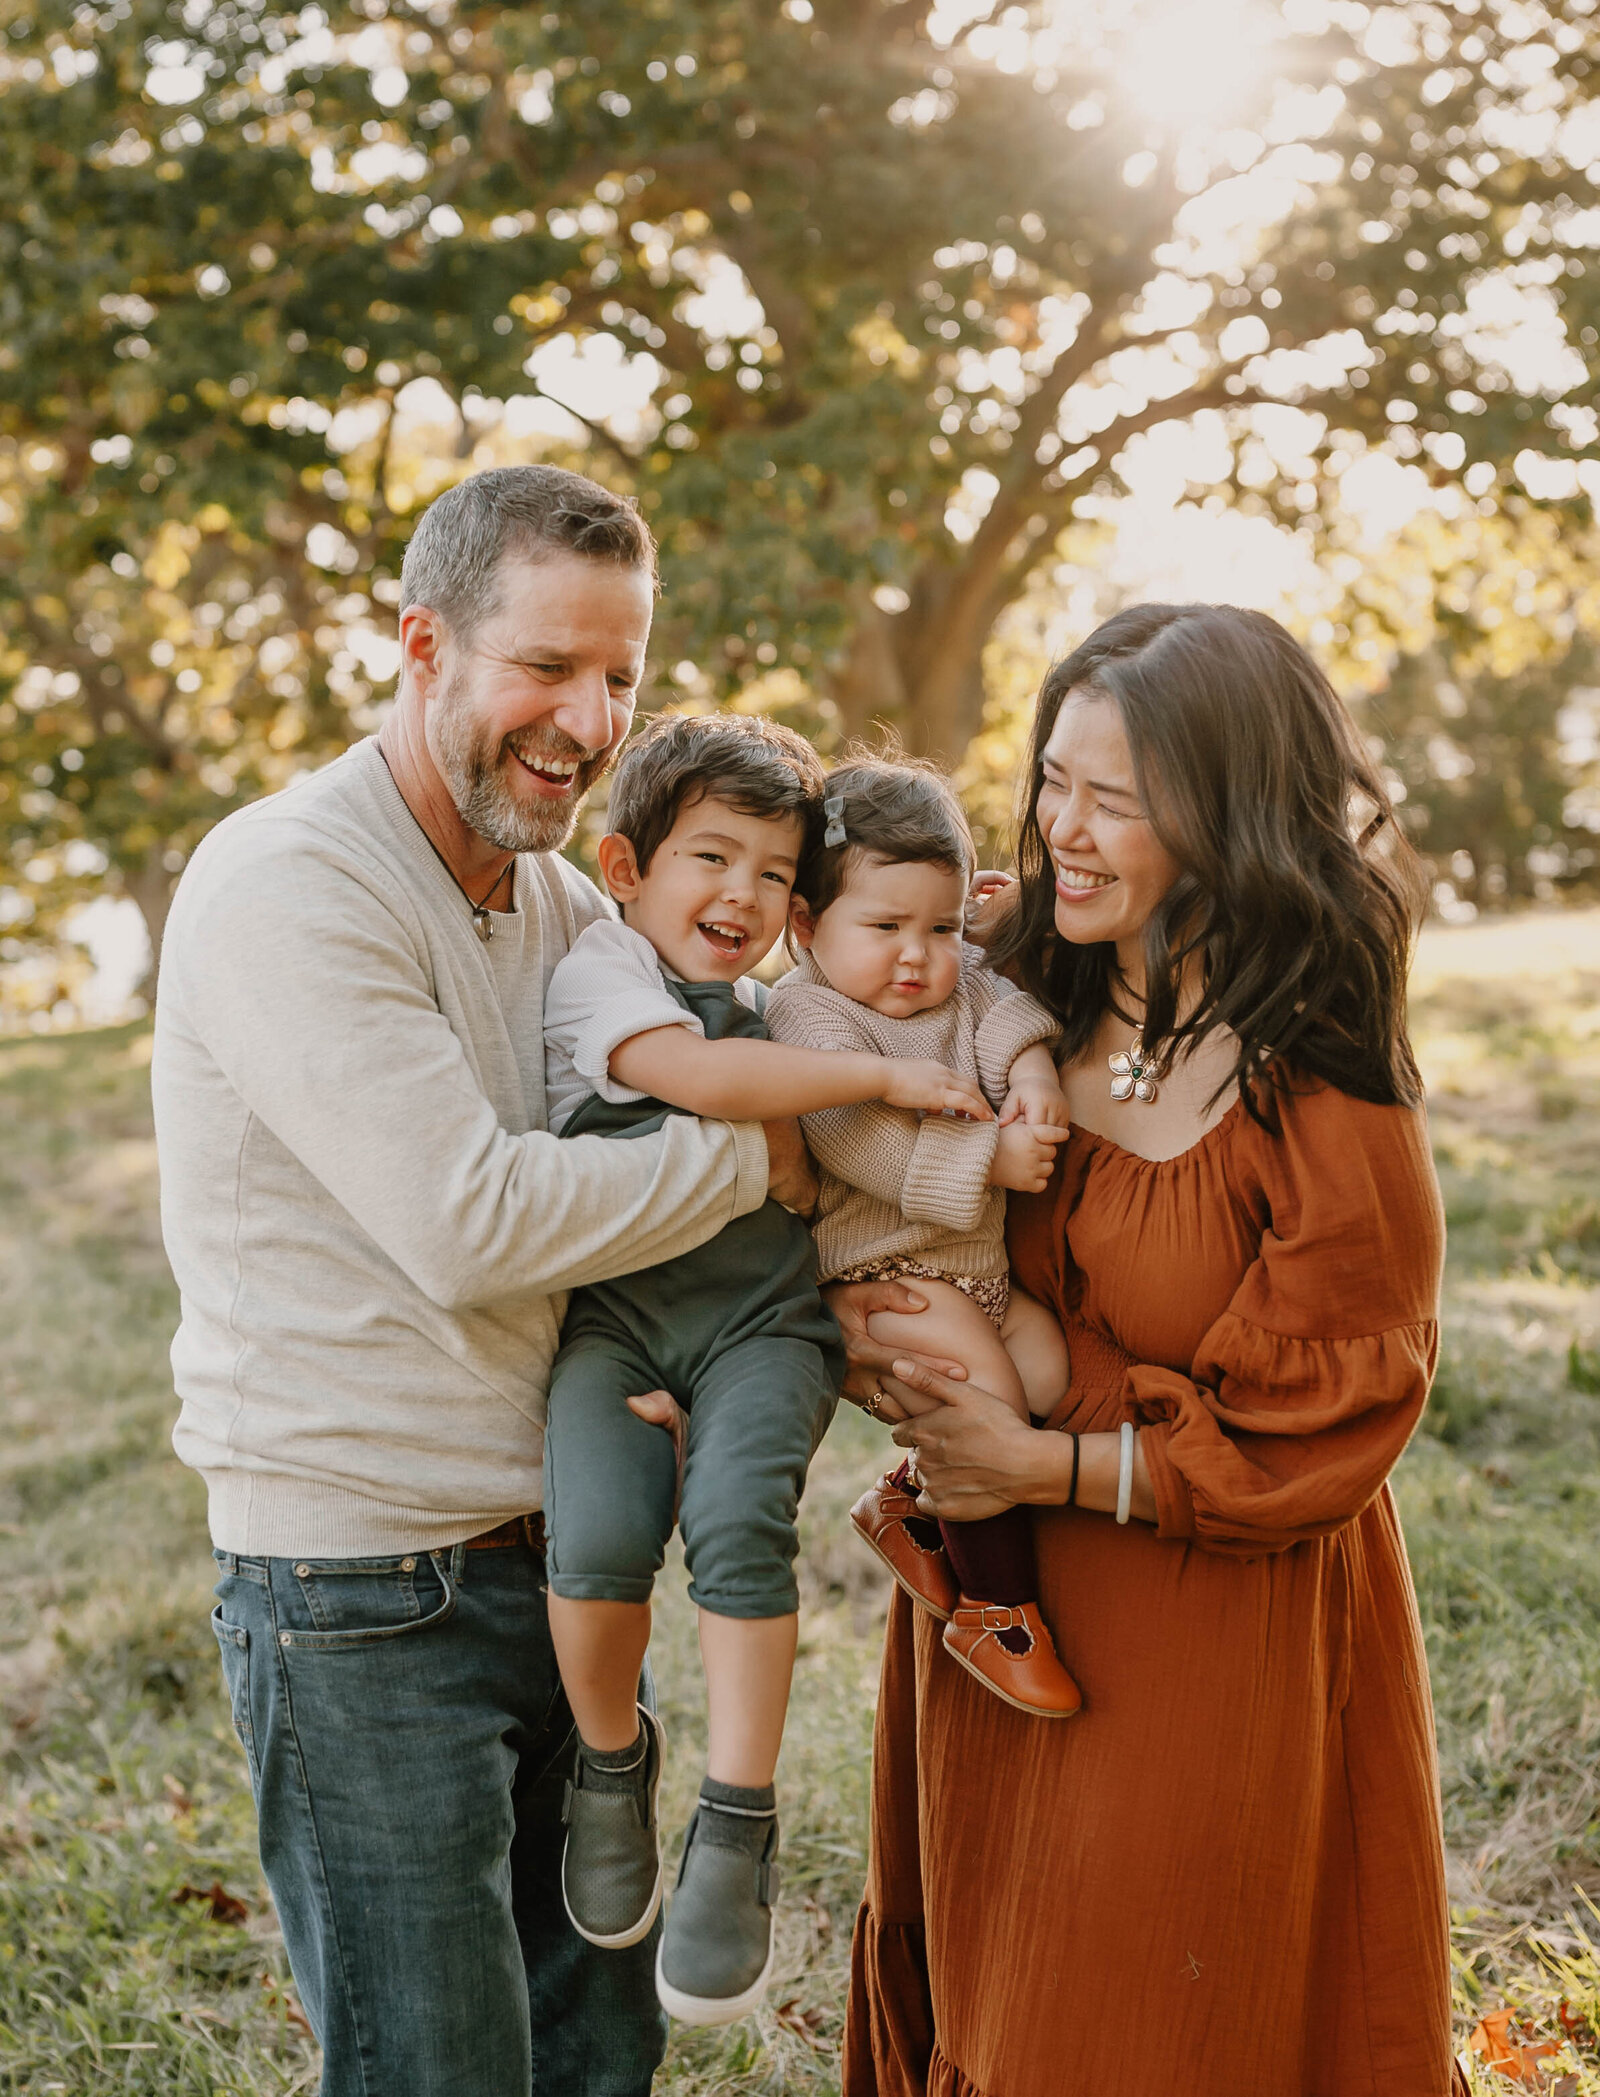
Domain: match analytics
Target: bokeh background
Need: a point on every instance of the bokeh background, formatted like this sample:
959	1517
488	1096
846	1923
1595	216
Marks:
926	335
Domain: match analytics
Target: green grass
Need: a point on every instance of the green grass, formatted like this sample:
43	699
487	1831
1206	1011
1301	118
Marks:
121	1783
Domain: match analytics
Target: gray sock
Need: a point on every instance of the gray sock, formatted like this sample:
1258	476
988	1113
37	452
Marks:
614	1767
739	1801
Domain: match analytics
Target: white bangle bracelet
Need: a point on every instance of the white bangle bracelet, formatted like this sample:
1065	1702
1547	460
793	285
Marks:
1125	1473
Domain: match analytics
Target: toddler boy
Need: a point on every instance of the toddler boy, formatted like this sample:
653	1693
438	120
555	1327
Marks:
644	1017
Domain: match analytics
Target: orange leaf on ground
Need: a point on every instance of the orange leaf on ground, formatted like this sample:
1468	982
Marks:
804	2023
1510	2048
220	1904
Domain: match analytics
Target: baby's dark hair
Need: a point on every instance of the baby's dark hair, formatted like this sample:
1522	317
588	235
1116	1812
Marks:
755	765
898	811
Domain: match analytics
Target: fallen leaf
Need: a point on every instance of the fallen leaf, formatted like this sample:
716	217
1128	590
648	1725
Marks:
181	1801
221	1905
1510	2048
1575	2025
284	2002
804	2023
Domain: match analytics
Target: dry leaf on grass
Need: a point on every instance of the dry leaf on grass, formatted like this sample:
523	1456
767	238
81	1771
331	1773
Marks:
220	1904
282	2001
1509	2047
805	2024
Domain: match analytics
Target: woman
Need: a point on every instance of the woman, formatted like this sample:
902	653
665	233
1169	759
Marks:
1225	1877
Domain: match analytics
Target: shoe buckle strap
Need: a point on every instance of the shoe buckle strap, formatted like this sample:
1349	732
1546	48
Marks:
999	1618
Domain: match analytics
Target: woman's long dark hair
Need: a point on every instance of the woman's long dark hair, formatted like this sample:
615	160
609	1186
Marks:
1298	898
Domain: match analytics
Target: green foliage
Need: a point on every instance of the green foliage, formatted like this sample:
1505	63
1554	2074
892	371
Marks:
869	263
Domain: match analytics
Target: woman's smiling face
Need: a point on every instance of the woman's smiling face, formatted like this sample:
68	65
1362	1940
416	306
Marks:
1111	870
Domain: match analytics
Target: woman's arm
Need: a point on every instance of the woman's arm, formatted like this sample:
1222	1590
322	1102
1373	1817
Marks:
751	1080
974	1455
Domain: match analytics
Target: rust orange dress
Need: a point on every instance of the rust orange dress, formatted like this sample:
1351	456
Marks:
1225	1877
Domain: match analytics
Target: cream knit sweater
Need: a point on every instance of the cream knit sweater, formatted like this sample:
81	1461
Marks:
372	1231
893	1184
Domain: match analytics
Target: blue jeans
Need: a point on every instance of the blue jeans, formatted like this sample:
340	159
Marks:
409	1742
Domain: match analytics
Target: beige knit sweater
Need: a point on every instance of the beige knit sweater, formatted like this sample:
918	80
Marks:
894	1185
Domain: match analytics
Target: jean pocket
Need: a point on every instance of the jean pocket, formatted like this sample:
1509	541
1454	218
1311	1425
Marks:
233	1642
331	1604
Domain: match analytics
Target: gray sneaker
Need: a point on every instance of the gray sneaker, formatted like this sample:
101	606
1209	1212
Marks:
716	1951
611	1866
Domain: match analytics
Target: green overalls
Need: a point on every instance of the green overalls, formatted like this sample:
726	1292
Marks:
737	1332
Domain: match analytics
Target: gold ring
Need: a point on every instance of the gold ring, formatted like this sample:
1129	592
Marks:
873	1406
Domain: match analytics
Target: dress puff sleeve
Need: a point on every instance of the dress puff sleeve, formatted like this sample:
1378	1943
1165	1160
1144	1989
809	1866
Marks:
1305	1390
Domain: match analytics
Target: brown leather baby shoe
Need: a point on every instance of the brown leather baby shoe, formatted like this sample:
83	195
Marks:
1009	1650
887	1517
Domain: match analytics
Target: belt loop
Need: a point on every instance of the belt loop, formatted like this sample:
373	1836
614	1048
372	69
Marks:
458	1562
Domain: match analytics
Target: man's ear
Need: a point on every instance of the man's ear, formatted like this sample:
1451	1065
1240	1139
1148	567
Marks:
619	867
422	640
801	923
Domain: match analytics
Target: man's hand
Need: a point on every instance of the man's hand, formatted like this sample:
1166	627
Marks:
661	1409
929	1088
791	1179
853	1303
1025	1157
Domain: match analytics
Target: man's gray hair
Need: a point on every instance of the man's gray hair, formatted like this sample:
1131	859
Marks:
453	562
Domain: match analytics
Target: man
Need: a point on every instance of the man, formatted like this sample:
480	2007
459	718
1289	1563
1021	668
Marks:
374	1235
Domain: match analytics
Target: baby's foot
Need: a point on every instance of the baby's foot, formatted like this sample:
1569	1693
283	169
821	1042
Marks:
909	1545
1007	1647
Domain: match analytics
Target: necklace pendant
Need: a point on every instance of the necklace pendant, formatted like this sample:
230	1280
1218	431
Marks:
482	925
1132	1076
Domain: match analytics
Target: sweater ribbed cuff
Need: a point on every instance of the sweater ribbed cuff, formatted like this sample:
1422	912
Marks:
750	1155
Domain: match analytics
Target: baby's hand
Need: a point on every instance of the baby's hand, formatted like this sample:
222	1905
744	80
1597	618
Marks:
1025	1157
928	1088
1038	1101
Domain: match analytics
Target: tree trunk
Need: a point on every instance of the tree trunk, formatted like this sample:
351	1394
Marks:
919	673
151	887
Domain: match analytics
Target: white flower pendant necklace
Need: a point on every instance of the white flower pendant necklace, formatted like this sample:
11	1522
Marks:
1133	1075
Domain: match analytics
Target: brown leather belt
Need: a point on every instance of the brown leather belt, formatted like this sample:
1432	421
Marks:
521	1529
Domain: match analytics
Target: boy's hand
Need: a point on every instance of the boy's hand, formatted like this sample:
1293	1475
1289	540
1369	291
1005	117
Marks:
1025	1156
1038	1101
928	1088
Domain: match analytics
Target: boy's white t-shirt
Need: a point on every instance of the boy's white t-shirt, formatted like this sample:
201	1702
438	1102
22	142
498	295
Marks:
610	985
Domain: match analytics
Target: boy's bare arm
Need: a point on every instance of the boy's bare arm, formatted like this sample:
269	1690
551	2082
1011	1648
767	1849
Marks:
744	1080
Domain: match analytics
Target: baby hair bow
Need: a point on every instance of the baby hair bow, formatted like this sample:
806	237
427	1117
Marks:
833	809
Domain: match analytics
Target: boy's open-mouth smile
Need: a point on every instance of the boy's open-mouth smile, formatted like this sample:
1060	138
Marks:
727	940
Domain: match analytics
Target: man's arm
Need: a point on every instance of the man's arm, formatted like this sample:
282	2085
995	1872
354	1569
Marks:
304	982
742	1079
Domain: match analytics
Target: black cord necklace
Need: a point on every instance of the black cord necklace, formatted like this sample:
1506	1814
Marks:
482	923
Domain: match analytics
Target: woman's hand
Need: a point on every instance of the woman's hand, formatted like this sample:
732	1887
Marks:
870	1384
983	894
975	1457
927	1087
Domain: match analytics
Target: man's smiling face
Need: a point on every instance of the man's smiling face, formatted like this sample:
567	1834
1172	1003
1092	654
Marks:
529	709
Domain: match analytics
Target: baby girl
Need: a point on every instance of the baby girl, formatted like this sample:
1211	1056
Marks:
879	901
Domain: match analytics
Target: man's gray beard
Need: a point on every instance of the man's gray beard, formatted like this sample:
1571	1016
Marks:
474	769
